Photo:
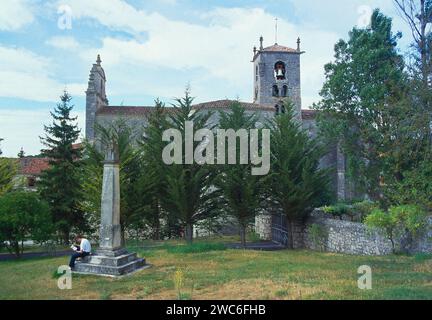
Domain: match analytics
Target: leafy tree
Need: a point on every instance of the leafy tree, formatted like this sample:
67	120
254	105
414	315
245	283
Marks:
8	170
189	191
364	107
242	192
297	185
60	184
398	221
23	216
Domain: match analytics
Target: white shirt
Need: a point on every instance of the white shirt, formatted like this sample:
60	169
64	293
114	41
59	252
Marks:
85	245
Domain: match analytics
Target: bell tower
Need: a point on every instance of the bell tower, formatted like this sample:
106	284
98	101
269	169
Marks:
277	75
95	97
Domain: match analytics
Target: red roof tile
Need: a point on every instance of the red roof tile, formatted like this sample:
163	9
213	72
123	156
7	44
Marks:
218	104
278	48
33	166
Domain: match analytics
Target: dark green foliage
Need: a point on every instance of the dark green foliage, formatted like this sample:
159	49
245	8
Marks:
363	104
242	192
190	195
153	180
23	216
297	185
60	185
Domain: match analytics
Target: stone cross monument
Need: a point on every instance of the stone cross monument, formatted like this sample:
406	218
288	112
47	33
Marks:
111	259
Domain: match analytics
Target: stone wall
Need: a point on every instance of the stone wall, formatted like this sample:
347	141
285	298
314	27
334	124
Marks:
263	226
351	237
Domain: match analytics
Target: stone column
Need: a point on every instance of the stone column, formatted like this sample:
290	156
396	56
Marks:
110	229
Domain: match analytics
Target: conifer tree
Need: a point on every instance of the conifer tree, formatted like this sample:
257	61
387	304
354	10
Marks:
297	185
189	192
242	192
60	184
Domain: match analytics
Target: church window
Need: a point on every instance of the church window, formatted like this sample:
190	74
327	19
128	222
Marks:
256	73
277	109
275	91
284	91
279	71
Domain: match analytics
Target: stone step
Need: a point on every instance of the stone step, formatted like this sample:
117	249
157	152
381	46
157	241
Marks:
110	261
99	269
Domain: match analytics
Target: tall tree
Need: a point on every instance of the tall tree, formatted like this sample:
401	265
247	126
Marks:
296	184
418	15
364	107
60	184
242	192
189	192
152	181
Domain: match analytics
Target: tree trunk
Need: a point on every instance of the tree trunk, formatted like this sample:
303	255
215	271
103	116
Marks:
66	235
189	233
243	235
16	248
290	228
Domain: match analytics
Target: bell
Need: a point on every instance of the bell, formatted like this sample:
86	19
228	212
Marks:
280	73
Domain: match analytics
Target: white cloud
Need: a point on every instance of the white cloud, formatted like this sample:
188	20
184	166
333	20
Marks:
65	43
221	46
27	76
22	128
14	14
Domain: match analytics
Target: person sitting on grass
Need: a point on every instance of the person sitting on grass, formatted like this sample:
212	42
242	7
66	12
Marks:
82	251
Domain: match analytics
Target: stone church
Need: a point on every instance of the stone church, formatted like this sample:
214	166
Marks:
277	75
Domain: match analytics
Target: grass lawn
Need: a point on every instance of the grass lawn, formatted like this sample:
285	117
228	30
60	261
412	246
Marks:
212	273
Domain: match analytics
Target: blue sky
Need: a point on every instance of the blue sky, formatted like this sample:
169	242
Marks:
154	49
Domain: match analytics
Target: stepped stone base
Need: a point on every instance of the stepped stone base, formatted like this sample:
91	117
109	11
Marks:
110	263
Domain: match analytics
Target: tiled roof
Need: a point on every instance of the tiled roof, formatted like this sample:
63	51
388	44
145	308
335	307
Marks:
33	166
308	114
225	104
214	105
131	111
278	48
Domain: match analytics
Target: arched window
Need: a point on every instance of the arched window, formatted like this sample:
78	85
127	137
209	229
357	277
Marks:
279	71
284	91
275	91
277	109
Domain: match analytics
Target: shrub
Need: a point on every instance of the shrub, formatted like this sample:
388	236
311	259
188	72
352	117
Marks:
319	236
23	216
337	210
397	221
364	208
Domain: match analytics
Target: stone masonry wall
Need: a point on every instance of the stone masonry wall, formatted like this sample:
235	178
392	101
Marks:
351	237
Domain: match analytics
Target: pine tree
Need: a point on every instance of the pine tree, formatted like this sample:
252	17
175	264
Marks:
189	192
60	184
242	192
152	180
297	185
